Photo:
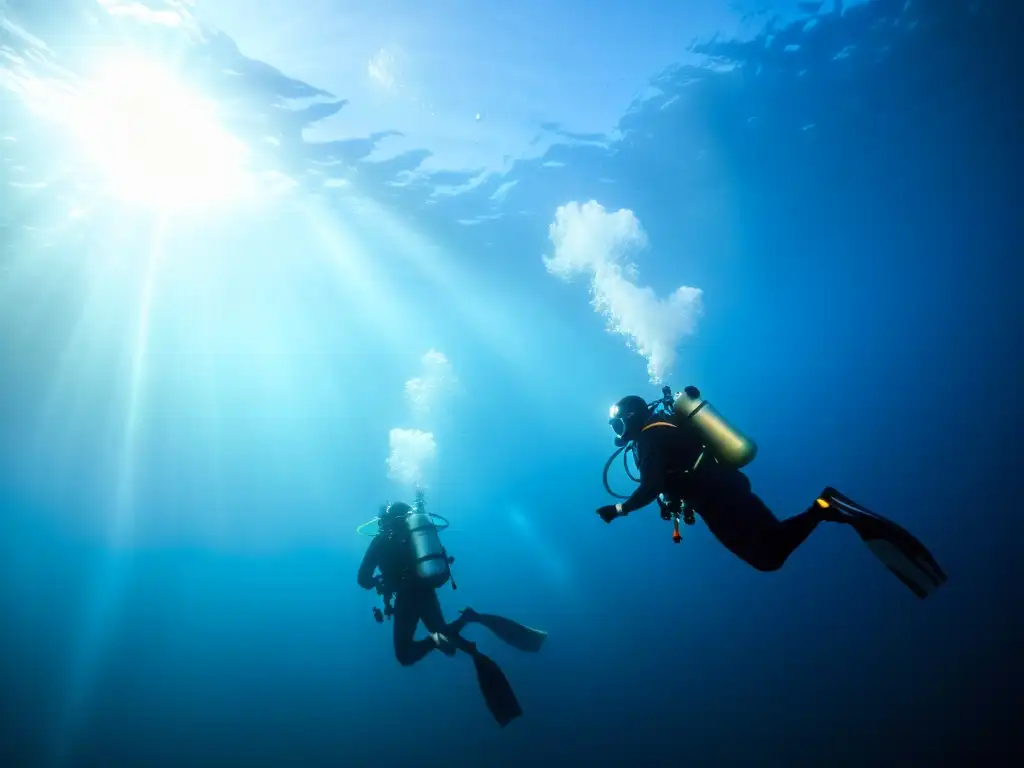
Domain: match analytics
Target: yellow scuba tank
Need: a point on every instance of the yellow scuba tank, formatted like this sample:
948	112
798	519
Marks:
726	442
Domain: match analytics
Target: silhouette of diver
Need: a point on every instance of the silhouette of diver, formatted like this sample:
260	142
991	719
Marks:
688	457
413	565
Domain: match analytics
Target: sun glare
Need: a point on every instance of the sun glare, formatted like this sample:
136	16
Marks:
157	143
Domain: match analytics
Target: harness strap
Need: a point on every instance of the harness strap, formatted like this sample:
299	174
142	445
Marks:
659	424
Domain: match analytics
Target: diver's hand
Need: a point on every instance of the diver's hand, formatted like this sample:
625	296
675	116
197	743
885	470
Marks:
610	512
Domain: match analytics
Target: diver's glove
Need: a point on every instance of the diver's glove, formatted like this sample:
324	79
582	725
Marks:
610	512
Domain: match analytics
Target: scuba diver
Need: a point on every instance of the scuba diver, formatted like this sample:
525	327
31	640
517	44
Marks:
413	564
689	459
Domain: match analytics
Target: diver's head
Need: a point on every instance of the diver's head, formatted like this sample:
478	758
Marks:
627	418
392	514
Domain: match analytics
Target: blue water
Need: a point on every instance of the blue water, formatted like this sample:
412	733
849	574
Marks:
198	390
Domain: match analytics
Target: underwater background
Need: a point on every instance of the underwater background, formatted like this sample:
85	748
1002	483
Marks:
405	244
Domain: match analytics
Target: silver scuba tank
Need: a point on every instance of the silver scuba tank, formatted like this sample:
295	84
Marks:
429	556
725	441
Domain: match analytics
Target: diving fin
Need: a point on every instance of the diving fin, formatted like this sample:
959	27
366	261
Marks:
513	633
497	691
897	549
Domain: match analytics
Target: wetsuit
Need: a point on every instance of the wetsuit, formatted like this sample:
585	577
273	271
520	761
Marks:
413	602
719	494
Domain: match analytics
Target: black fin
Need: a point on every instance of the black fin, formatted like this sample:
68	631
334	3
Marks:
497	690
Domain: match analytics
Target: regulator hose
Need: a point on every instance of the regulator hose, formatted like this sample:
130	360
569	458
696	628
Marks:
625	466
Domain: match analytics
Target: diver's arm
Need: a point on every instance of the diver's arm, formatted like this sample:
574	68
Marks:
652	474
370	562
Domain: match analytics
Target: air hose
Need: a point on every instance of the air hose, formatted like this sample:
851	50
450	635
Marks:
625	466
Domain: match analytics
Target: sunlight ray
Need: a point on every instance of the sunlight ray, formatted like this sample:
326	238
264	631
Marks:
205	370
553	564
491	316
101	276
63	400
479	309
104	607
97	625
124	506
352	268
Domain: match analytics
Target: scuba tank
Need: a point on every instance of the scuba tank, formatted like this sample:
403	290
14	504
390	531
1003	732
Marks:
431	569
727	443
417	532
429	555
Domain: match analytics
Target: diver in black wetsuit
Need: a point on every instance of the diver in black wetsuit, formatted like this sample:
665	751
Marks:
412	565
413	601
689	456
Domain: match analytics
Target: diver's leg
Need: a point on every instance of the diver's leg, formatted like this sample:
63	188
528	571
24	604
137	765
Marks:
433	620
431	613
467	616
741	521
408	651
789	534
